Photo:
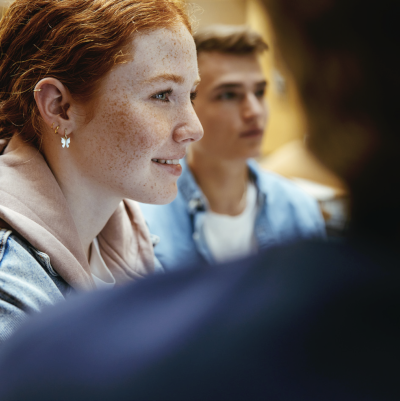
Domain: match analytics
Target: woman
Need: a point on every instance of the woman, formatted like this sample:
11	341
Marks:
95	110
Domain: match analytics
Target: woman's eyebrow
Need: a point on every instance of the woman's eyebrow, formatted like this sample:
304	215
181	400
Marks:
165	77
169	77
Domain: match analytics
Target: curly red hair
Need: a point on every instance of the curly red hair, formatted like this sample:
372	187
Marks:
74	41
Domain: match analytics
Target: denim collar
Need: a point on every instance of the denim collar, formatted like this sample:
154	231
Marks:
193	195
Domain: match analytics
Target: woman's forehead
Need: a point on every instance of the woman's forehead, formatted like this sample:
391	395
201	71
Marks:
156	55
164	51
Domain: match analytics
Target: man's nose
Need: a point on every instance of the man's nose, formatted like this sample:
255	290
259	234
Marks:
190	129
253	107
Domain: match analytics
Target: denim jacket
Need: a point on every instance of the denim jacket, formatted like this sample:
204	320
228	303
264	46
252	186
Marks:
285	213
28	282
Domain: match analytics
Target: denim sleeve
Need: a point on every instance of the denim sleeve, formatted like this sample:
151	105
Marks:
25	287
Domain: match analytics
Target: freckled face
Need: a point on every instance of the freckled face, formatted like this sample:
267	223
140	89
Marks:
144	116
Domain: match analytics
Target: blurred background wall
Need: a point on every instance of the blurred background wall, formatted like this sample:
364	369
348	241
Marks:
3	6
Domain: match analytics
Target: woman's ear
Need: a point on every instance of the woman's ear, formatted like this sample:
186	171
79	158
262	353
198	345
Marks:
54	103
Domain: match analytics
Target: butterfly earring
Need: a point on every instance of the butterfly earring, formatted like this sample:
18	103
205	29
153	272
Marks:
65	141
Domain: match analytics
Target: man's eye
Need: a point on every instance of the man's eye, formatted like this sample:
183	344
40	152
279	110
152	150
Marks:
260	93
228	96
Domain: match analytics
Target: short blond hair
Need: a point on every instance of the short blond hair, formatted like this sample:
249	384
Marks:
233	39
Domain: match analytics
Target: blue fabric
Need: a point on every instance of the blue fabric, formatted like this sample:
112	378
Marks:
285	213
311	322
28	282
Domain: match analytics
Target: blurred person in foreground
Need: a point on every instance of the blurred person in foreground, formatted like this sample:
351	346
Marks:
226	206
308	321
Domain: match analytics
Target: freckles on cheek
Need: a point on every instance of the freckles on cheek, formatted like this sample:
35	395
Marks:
126	137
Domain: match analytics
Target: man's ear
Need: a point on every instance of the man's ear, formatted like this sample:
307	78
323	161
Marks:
54	103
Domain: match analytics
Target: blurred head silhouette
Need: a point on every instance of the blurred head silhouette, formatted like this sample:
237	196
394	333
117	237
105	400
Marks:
342	54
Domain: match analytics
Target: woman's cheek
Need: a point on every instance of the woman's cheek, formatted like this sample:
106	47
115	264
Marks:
132	131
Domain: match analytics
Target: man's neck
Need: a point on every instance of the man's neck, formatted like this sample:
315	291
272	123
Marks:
223	182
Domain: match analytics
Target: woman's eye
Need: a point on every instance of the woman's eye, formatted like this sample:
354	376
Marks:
162	96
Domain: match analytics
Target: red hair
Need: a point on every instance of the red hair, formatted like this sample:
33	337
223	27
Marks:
74	41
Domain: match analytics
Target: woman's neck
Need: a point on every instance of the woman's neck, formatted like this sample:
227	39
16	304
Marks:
223	182
89	204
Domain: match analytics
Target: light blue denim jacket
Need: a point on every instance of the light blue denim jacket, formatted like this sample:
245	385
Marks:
27	282
285	213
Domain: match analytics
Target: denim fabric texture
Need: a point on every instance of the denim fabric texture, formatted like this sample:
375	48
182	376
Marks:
285	214
27	282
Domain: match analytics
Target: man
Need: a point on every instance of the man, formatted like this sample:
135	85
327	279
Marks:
226	206
309	321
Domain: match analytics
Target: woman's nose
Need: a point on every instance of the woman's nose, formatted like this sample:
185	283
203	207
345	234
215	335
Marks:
190	130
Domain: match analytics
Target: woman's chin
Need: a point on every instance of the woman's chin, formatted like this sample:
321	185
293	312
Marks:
168	198
162	196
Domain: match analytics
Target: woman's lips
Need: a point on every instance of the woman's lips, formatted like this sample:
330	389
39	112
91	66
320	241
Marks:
251	133
171	166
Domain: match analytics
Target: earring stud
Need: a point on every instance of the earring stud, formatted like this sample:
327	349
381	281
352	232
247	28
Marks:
56	131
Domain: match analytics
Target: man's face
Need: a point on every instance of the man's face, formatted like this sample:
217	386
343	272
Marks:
231	105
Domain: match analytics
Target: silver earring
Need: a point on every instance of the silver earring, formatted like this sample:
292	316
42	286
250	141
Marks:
65	141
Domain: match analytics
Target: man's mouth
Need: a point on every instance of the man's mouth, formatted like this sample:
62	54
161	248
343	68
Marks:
251	133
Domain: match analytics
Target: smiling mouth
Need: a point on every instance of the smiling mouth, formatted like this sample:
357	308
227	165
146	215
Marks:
162	161
170	166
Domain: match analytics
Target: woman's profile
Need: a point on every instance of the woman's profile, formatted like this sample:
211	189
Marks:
95	113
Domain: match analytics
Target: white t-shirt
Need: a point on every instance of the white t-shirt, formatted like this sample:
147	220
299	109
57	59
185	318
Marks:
231	237
99	270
